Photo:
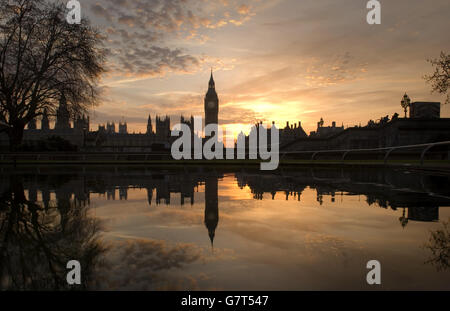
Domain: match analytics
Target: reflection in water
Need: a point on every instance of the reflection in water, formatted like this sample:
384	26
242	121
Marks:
439	246
138	264
418	195
37	240
211	206
45	219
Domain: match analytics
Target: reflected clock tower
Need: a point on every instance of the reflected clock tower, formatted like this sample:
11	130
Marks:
211	206
211	103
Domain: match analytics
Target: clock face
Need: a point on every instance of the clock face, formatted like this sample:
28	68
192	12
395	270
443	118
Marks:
211	104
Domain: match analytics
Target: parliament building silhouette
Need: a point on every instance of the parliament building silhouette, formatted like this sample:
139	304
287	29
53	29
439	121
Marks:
424	125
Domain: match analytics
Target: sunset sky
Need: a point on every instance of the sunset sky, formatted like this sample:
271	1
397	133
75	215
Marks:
280	60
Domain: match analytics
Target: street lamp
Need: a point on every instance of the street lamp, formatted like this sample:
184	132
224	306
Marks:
406	102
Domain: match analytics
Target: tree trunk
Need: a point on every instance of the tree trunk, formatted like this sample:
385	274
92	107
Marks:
15	134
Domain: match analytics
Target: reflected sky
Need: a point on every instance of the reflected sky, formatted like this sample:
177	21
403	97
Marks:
296	230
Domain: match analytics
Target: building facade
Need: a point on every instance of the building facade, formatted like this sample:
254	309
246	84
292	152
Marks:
424	126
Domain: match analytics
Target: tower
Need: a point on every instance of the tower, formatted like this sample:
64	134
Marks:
32	124
81	123
45	124
62	115
211	206
149	126
111	128
123	128
211	103
162	128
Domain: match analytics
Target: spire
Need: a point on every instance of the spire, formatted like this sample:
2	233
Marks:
149	124
212	84
211	237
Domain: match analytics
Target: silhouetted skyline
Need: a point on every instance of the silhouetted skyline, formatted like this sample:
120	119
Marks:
328	62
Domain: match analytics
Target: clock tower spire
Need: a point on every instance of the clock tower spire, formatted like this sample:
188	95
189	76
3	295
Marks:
211	103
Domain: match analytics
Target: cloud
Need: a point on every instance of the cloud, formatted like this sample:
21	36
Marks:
243	9
142	33
99	10
137	264
296	60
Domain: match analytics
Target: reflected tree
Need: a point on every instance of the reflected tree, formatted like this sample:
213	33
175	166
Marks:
439	246
36	242
403	219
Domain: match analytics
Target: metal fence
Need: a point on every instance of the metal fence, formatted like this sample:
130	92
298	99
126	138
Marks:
423	149
384	153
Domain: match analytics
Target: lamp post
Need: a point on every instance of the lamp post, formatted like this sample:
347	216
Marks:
406	102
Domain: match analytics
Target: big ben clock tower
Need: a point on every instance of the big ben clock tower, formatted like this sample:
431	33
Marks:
211	104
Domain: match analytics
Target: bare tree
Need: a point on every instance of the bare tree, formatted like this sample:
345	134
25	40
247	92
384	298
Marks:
439	246
44	58
440	80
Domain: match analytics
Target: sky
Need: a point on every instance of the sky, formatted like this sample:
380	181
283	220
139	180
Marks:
273	60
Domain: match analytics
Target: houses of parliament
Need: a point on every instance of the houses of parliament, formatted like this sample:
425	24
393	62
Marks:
424	125
114	137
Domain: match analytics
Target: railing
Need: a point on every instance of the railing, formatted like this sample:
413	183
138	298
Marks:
84	156
387	151
146	156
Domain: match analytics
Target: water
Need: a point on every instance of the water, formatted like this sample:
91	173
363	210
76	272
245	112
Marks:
140	228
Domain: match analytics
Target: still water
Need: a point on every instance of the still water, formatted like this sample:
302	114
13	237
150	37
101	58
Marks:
140	228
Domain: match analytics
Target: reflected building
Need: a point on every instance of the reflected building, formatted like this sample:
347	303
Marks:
260	184
123	193
423	213
384	188
419	213
39	238
158	186
211	206
111	194
113	185
77	188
